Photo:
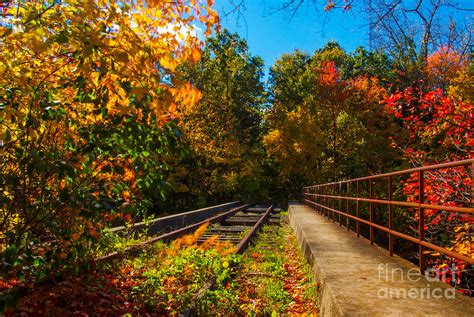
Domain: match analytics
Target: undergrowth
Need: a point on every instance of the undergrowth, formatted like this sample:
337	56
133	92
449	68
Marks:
271	278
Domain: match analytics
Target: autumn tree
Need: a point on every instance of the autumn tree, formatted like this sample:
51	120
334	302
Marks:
86	89
445	66
437	127
223	132
289	128
326	121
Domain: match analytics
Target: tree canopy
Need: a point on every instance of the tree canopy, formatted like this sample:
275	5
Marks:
112	112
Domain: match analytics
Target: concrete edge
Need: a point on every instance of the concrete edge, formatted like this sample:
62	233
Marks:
326	299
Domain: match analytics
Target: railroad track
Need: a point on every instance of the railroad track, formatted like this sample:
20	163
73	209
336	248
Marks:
240	229
238	226
242	221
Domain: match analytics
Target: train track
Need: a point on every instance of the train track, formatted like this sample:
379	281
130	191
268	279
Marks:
240	229
238	226
242	222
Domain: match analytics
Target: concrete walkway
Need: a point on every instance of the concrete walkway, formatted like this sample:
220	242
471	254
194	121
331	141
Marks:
358	279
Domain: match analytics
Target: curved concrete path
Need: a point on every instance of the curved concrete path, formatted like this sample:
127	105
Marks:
358	279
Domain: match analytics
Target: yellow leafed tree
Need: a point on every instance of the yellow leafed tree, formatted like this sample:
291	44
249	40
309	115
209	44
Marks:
84	88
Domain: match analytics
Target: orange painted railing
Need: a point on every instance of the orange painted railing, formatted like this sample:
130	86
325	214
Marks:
328	198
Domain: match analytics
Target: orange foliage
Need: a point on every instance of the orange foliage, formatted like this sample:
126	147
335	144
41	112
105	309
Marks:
190	240
445	64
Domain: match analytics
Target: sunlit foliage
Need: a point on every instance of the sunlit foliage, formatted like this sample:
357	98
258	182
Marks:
86	89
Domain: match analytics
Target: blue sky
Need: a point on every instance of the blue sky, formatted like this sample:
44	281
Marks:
270	33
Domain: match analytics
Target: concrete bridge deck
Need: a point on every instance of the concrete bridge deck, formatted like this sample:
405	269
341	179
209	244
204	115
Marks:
358	279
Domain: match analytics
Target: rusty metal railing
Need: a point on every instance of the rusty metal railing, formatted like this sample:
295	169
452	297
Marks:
328	198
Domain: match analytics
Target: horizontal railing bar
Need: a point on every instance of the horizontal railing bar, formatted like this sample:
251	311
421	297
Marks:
403	172
401	235
469	210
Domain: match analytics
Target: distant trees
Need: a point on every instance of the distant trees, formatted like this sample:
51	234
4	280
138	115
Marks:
223	132
326	122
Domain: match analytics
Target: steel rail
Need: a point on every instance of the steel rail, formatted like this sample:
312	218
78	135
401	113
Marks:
243	244
469	210
139	246
399	234
403	172
170	235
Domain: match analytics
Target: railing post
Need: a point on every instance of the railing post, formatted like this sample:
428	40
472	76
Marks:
333	202
320	199
340	203
317	198
304	195
309	191
326	201
308	196
323	200
321	191
371	210
347	206
314	198
421	222
357	210
390	217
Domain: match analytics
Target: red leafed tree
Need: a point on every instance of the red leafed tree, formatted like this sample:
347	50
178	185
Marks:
438	129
